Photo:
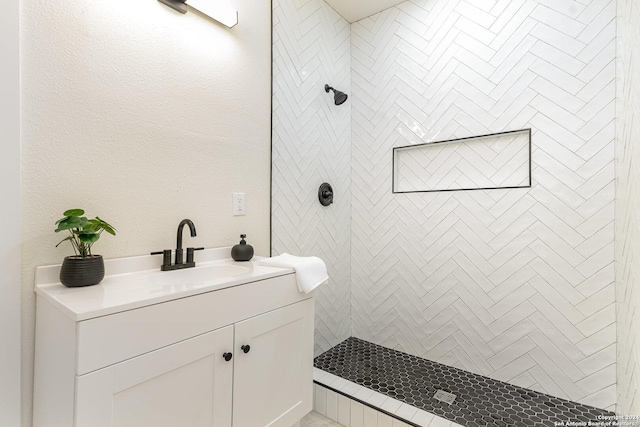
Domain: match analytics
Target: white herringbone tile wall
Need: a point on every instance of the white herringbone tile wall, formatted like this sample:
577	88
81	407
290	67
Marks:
518	284
628	207
311	145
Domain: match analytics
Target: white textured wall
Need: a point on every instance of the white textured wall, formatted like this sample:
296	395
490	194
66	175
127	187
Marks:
143	116
628	207
311	145
10	215
517	285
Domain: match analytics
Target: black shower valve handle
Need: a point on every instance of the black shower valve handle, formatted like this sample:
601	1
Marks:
325	194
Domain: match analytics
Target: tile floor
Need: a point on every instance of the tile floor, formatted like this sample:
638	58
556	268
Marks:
316	420
404	385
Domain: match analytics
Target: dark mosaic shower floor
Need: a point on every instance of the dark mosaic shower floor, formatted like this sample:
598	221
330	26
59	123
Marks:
480	401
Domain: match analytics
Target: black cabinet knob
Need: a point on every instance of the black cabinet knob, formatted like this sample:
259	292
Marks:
246	348
227	356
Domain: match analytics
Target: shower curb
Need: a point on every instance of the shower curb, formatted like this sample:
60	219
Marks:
355	392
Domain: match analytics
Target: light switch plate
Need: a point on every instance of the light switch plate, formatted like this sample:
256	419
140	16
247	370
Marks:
239	205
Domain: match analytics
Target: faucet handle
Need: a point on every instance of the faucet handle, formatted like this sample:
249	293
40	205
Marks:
190	253
166	256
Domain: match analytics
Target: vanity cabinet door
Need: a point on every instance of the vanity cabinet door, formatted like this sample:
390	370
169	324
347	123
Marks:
273	376
185	384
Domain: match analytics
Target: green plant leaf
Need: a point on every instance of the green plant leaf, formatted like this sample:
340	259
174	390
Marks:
93	225
88	236
68	223
74	212
107	227
64	240
71	222
109	230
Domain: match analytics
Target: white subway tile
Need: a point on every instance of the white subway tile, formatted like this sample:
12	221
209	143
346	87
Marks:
398	423
357	414
384	420
332	405
363	394
406	411
340	384
422	418
351	388
439	422
344	411
318	374
370	417
329	379
391	405
376	399
320	400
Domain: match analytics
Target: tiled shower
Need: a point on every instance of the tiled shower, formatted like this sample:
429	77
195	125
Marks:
518	285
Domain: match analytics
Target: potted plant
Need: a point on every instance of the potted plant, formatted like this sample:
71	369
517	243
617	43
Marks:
83	268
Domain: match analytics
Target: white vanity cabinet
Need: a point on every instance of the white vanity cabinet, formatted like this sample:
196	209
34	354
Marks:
240	356
271	381
185	384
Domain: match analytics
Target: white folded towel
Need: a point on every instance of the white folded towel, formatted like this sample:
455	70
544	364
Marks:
311	272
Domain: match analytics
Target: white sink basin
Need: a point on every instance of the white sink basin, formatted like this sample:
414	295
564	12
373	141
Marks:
199	274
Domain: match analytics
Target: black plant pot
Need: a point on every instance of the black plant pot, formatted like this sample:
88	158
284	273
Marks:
77	272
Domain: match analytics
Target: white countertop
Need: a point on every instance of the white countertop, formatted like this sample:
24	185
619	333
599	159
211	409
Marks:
137	282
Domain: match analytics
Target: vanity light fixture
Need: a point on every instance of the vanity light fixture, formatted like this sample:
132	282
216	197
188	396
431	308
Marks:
224	15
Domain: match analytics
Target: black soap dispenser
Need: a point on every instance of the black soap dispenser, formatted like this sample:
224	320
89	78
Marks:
242	251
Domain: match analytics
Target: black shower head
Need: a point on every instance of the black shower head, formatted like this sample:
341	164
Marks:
338	97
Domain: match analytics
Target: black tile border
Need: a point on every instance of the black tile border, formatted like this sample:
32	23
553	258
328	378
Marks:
458	140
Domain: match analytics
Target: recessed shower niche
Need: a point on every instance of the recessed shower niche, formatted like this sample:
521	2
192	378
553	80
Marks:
486	162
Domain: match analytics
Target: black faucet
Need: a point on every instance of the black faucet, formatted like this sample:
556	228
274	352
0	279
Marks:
179	239
166	260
